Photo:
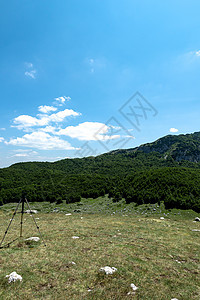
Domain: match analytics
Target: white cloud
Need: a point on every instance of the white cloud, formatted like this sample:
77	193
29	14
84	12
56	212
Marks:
88	131
30	71
49	129
61	115
197	53
129	136
46	109
189	58
21	155
26	121
173	130
61	100
24	153
1	139
41	140
24	150
2	129
31	74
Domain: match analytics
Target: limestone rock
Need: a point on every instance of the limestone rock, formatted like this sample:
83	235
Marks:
33	238
12	277
108	270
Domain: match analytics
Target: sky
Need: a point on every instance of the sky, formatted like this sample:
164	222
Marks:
81	78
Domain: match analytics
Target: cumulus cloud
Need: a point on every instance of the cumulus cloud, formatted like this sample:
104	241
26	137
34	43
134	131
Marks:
88	131
1	139
41	140
26	121
61	115
173	130
61	100
41	130
46	109
49	129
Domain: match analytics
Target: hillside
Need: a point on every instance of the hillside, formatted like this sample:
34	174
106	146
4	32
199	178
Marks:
165	170
177	147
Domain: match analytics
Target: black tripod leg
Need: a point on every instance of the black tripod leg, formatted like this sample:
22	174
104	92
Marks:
10	222
35	222
22	213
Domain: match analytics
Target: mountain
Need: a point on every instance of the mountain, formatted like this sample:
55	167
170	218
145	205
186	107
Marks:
169	151
166	170
178	147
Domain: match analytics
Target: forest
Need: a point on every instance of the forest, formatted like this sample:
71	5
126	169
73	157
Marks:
150	173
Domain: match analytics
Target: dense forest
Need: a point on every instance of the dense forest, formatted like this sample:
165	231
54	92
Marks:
166	170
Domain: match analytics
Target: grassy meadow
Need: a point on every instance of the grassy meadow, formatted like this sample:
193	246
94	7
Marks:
160	256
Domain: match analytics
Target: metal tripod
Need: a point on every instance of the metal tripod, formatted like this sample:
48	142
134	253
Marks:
23	200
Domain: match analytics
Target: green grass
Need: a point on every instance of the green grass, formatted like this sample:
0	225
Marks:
161	257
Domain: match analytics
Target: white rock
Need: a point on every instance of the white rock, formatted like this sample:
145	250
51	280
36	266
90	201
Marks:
13	277
197	219
130	293
174	299
179	262
75	237
32	211
68	214
195	230
134	287
108	270
33	238
73	263
162	218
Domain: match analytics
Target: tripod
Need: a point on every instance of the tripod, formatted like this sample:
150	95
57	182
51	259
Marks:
23	200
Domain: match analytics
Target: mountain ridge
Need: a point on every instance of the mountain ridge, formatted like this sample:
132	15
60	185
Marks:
167	146
179	147
165	170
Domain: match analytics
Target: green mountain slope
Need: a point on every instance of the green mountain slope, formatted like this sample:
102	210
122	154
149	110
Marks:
178	147
165	170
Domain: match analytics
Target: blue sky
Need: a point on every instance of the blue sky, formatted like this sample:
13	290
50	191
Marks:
70	72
